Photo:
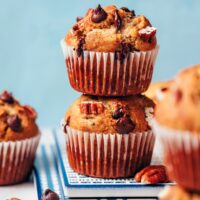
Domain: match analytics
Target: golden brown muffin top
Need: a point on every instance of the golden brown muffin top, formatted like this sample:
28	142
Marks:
112	29
17	122
180	106
110	115
177	193
157	90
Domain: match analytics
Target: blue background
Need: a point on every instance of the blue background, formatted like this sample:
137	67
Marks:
31	61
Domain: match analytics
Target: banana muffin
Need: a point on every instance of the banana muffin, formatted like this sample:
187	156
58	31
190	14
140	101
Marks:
110	52
177	124
109	137
19	137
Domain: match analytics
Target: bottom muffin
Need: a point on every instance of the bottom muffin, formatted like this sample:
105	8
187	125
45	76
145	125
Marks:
109	137
19	138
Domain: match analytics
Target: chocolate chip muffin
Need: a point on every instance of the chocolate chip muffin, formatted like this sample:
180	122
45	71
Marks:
109	137
177	124
110	52
19	137
177	193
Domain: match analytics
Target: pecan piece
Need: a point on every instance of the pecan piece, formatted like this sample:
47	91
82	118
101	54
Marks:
7	97
89	107
152	175
147	33
118	21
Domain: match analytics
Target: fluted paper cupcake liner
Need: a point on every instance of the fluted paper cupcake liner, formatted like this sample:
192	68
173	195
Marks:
181	155
16	159
108	155
100	73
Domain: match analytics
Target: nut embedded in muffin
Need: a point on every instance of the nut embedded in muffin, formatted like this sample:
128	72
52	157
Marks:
109	133
110	52
18	134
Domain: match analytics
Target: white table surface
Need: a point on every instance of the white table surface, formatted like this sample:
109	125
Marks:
24	191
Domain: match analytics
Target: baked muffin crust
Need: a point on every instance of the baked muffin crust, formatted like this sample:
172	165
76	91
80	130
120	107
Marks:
110	115
180	106
107	29
17	122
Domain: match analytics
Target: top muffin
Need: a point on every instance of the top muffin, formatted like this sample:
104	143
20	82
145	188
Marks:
180	106
111	29
17	122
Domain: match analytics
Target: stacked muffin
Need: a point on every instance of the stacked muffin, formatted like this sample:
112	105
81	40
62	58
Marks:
177	125
110	55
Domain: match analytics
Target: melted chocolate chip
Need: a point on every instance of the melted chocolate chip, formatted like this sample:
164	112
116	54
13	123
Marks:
124	51
7	97
14	123
67	124
79	18
125	9
99	14
118	21
50	195
124	125
118	113
79	49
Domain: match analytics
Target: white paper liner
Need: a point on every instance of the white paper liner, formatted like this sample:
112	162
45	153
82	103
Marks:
109	155
181	155
99	73
16	159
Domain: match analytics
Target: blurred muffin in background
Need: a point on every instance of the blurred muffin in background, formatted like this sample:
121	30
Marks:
110	52
19	138
177	124
157	90
109	137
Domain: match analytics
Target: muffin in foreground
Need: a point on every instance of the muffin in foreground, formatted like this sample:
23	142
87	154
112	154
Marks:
177	193
110	52
109	137
19	138
178	126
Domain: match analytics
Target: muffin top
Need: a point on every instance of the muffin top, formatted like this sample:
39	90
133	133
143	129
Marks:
111	29
180	107
110	115
157	90
17	122
177	193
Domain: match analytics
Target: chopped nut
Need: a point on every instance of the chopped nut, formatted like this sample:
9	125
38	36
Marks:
89	107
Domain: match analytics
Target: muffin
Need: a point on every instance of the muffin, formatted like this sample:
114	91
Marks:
19	138
157	90
177	193
110	52
178	126
109	137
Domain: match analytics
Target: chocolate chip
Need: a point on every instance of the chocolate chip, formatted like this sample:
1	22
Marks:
67	124
177	95
7	97
118	21
75	27
79	49
79	18
118	113
50	195
14	123
133	13
124	125
99	14
125	9
125	48
164	89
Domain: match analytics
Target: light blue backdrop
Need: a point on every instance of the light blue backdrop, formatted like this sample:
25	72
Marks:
31	61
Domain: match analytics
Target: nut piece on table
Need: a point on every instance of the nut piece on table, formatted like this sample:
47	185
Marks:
152	175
